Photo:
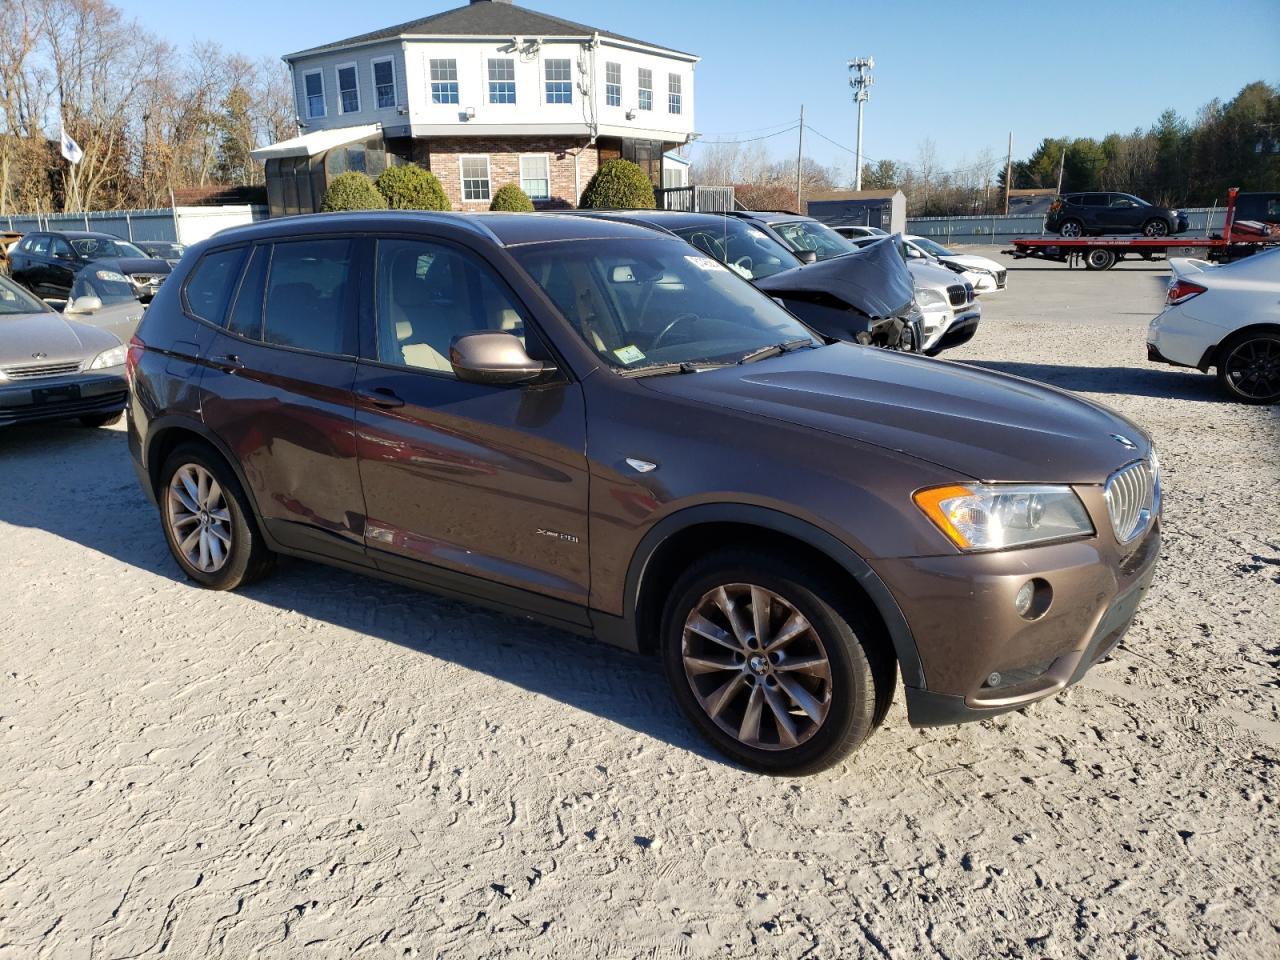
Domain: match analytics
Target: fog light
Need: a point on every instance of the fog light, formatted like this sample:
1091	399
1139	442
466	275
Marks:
1026	594
993	680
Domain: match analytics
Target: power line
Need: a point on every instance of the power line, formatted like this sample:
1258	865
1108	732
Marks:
768	136
738	133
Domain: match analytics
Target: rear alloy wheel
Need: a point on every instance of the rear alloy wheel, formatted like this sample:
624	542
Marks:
1071	229
1249	370
1100	258
768	669
207	521
1156	227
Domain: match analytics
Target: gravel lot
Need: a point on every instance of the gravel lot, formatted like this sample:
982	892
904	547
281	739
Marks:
329	766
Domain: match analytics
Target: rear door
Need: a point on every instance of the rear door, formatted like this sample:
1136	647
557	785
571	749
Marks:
278	391
28	263
1093	207
62	267
479	488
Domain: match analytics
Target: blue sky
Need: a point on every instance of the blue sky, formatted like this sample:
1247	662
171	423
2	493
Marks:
962	75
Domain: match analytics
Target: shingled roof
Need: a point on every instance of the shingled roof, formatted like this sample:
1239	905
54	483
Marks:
483	18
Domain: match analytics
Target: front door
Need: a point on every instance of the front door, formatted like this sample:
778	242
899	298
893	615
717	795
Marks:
278	390
480	488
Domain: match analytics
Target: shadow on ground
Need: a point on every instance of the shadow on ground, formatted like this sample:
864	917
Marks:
79	485
1120	381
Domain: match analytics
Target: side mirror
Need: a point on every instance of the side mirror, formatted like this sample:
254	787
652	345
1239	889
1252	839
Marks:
87	304
807	256
494	357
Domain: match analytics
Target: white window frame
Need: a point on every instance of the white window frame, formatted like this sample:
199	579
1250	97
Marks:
613	89
306	97
355	74
642	88
546	159
675	97
547	81
431	82
489	82
373	77
462	178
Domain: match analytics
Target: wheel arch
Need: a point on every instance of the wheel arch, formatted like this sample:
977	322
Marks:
674	541
1214	355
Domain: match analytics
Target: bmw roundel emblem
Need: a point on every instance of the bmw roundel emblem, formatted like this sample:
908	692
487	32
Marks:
39	356
1124	441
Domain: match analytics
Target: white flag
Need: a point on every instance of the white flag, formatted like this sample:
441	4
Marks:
70	149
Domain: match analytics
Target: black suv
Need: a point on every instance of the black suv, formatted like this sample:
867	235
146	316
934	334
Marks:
47	263
1085	214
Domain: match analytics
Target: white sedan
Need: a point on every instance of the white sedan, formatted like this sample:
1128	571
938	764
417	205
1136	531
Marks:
985	274
1225	317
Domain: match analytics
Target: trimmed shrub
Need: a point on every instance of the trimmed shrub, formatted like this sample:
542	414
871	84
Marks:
618	185
410	187
352	191
511	199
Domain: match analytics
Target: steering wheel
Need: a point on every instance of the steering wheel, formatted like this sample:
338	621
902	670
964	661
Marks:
745	262
682	318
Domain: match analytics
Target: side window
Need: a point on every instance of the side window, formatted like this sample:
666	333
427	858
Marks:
60	248
246	315
209	287
40	245
427	294
1095	199
310	296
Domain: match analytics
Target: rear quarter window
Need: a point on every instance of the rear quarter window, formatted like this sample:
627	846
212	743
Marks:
208	289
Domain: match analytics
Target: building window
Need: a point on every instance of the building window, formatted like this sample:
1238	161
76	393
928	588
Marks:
559	82
444	81
673	93
502	81
535	177
646	89
613	84
348	89
475	178
314	84
384	83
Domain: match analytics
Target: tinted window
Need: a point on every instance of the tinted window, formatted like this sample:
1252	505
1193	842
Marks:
211	282
309	296
39	245
246	315
1094	200
427	294
812	235
100	248
746	249
60	248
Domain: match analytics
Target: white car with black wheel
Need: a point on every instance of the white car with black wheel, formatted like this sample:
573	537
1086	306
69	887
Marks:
986	275
1227	318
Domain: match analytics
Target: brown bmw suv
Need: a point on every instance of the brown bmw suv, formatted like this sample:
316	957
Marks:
594	424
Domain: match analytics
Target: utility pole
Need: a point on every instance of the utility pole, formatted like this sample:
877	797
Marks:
1008	175
800	163
861	83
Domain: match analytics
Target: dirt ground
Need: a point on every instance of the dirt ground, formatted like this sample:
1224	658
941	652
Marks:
329	766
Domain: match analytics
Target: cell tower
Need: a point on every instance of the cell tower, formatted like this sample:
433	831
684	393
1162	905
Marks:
861	82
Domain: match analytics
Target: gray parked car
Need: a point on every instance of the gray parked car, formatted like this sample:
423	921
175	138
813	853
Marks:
55	368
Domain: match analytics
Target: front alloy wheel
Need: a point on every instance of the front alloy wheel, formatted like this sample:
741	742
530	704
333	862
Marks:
1156	228
1071	229
1250	368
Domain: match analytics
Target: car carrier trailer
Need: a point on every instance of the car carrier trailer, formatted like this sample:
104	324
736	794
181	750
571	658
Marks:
1103	253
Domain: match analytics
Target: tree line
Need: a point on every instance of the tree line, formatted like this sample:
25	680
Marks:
149	117
1175	162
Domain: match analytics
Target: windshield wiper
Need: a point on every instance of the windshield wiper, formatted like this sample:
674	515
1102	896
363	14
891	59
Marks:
684	366
774	349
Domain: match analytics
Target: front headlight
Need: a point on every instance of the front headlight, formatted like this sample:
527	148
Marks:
929	299
981	516
111	275
113	357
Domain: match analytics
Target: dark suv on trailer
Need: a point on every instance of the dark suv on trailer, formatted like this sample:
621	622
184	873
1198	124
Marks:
594	424
1082	214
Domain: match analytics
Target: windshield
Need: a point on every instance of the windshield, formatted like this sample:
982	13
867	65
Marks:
932	248
14	300
815	236
165	251
747	250
96	248
642	303
107	285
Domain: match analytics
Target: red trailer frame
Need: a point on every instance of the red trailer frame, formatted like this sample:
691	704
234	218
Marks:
1103	253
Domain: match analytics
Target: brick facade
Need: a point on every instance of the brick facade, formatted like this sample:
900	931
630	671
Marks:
444	155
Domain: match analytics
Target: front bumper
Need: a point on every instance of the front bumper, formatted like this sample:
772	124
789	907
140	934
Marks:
979	657
63	398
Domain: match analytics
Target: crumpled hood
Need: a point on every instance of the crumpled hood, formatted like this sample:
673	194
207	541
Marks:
985	425
61	340
873	279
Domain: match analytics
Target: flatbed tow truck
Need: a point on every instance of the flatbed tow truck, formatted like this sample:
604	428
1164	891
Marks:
1103	253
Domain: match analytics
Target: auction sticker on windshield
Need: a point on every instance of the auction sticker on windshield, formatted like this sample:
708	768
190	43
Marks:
629	354
705	263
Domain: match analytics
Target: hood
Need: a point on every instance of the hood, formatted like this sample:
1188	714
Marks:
933	274
973	260
61	340
873	279
987	426
131	265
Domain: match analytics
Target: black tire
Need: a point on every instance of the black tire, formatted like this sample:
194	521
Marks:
101	419
862	668
247	558
1071	228
1156	227
1257	350
1099	258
